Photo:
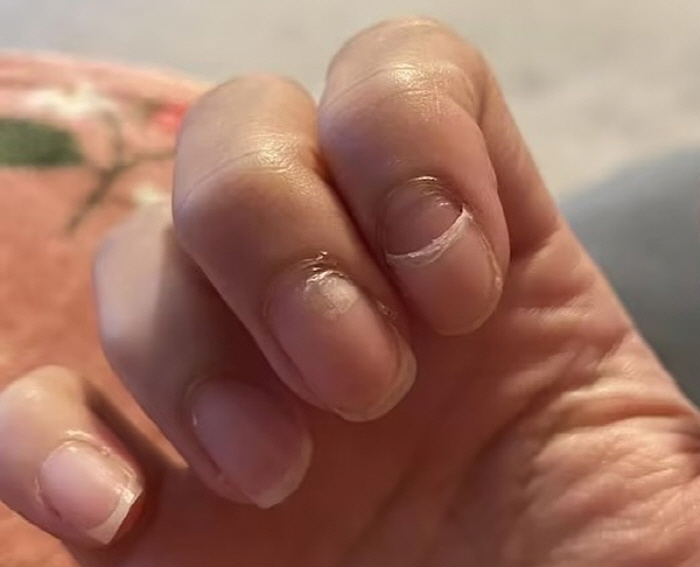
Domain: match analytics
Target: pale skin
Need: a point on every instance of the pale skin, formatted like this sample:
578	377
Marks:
373	340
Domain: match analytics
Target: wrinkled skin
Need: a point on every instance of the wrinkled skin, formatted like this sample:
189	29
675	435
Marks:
549	437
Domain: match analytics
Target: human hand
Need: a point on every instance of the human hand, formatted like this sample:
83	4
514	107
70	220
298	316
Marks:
317	258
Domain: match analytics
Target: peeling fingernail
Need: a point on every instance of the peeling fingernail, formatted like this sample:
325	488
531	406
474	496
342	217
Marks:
347	351
441	257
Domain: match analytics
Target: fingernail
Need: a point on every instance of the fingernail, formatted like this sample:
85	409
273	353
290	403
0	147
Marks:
258	445
346	351
442	259
89	488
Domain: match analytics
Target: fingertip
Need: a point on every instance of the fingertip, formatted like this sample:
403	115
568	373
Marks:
441	256
342	343
89	489
405	379
62	468
259	447
290	481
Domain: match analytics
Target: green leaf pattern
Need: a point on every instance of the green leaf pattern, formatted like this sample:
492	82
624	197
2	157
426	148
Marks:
29	143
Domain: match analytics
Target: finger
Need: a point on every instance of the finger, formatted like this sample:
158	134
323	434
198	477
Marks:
61	467
253	210
192	367
426	156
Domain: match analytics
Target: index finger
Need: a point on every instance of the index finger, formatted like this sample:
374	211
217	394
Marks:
428	158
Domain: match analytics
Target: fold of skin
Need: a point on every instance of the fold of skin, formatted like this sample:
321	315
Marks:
551	437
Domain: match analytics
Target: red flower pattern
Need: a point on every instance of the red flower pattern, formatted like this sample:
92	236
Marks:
169	116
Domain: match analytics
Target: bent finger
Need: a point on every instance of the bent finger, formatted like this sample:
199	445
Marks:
429	161
253	208
192	367
61	466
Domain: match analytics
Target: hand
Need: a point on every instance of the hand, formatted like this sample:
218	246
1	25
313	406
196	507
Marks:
369	317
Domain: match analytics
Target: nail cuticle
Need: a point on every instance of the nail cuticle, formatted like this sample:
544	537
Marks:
436	248
410	202
321	262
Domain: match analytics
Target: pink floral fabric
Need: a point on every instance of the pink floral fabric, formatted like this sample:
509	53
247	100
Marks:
81	145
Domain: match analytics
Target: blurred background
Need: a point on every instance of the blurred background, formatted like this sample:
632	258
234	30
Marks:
606	91
593	83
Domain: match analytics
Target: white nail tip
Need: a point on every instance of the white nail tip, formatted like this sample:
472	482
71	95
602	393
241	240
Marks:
289	482
432	251
406	376
107	530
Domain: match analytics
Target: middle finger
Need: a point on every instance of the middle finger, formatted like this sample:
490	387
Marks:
253	210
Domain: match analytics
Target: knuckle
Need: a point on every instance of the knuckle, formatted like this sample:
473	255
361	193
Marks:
235	183
401	60
433	78
412	30
256	88
421	92
399	29
407	23
226	156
